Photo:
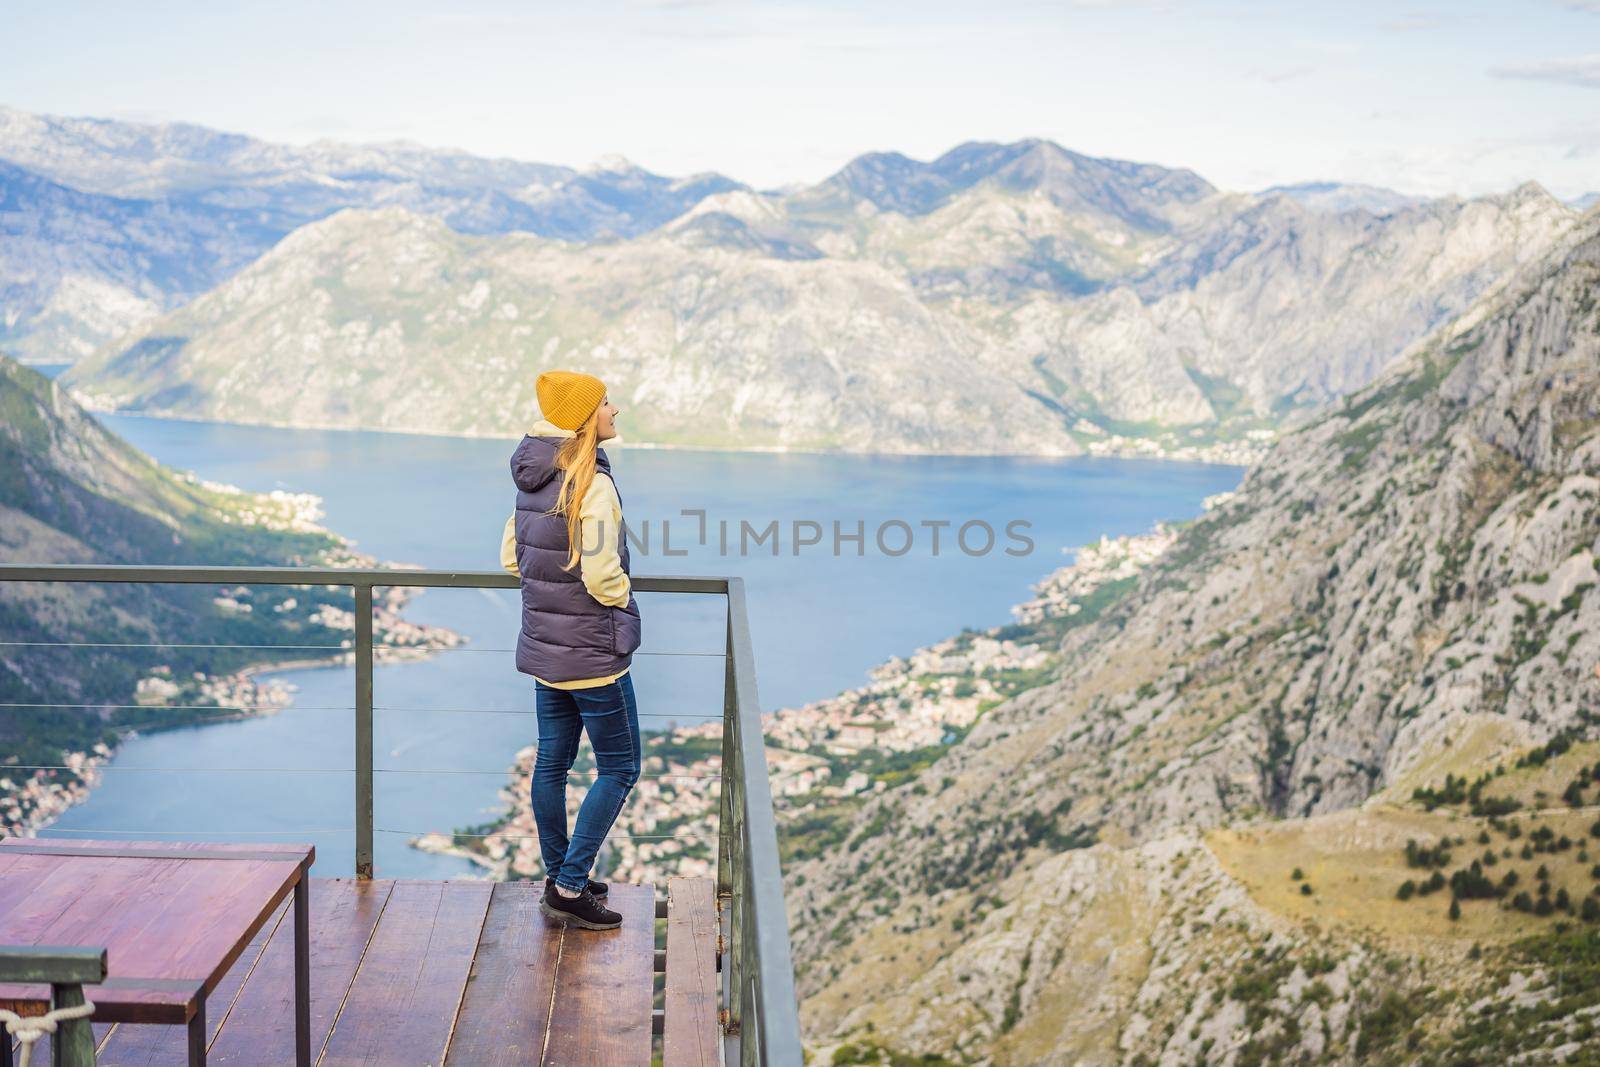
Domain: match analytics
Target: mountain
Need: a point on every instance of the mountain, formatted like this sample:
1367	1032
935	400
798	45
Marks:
79	269
1138	193
390	320
289	185
987	324
1312	787
1067	302
1344	196
1000	221
72	492
110	223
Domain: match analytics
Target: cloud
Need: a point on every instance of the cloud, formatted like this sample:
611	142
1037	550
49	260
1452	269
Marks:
1590	6
1575	70
1416	20
142	116
1279	75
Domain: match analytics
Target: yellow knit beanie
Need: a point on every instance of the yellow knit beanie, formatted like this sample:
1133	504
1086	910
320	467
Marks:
568	398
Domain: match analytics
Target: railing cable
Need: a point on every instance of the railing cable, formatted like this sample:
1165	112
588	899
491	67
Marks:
179	707
681	717
170	644
352	829
305	648
193	833
307	770
474	648
531	837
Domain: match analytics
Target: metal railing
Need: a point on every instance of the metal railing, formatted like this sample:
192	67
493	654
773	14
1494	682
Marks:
759	1017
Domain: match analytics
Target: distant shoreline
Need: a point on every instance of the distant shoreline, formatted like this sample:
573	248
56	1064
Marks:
622	443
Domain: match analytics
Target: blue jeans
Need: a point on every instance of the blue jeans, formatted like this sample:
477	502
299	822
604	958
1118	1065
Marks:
610	717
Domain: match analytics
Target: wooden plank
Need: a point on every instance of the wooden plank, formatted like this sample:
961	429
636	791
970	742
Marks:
404	999
134	1044
506	1009
17	886
69	845
260	1029
689	1035
145	852
601	1009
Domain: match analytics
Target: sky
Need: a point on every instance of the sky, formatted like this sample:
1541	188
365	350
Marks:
1463	98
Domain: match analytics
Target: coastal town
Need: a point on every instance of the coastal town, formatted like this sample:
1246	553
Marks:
1244	450
826	756
33	797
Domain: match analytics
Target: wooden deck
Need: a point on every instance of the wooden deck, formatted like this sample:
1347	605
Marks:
462	973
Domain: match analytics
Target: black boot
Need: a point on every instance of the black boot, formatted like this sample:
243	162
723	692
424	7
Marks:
597	888
582	910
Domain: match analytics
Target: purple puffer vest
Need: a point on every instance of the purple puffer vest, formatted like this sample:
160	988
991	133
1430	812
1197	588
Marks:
566	633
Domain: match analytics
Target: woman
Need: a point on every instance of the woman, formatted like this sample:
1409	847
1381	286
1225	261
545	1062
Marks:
580	626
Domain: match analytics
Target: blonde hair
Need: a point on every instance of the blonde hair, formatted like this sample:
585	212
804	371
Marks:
576	457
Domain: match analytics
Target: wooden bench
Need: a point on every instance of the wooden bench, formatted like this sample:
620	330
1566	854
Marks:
172	916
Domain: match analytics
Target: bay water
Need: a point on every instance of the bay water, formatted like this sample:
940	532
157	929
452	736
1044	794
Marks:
448	726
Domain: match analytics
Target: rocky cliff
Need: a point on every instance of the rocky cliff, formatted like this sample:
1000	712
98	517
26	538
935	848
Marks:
1400	597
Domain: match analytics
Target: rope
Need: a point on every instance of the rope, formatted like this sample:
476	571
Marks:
29	1028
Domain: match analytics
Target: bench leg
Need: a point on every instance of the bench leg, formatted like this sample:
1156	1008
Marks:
197	1034
72	1044
302	971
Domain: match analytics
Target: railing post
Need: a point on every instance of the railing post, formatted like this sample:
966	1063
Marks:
364	863
762	1006
727	840
730	854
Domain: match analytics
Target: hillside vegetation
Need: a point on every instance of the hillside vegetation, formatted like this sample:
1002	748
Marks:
74	656
1378	663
